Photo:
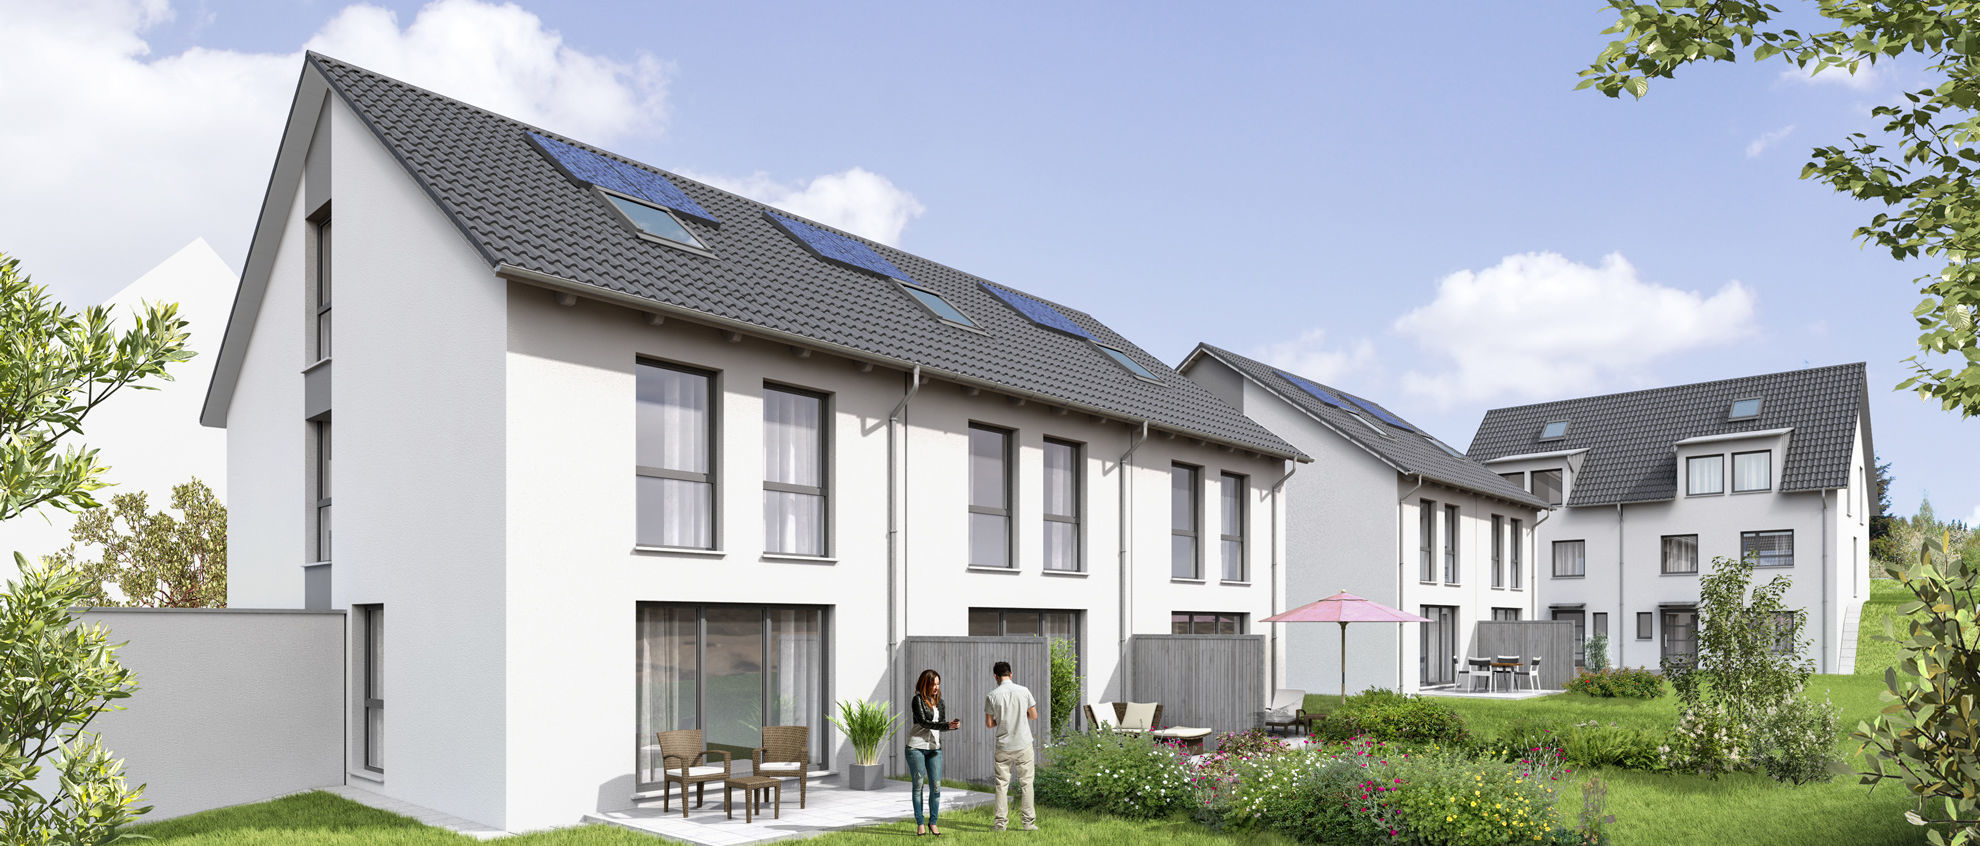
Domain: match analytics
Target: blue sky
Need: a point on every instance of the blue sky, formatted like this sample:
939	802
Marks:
1408	201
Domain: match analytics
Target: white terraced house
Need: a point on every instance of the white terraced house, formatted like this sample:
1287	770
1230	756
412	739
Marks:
1655	484
618	452
1389	513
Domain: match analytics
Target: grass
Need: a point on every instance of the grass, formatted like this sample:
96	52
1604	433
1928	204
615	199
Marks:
322	819
1873	655
1056	826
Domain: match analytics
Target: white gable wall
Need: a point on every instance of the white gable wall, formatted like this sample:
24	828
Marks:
266	437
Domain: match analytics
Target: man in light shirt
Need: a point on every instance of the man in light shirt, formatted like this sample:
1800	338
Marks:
1009	709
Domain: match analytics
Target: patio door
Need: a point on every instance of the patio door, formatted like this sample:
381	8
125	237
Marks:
1439	645
1680	633
728	670
1579	618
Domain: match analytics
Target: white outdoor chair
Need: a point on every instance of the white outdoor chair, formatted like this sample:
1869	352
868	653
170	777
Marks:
1532	673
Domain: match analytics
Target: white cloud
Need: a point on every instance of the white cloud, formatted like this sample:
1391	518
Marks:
856	200
1866	77
1538	326
1309	356
1759	145
1973	522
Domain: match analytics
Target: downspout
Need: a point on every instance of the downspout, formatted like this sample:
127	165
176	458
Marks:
1827	662
1127	582
1621	613
1532	589
1272	648
1401	564
894	574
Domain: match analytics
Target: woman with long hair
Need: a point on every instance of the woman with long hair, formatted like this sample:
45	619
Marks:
924	748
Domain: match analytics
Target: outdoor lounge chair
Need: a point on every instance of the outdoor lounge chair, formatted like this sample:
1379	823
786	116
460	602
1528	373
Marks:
1115	716
684	758
785	753
1286	712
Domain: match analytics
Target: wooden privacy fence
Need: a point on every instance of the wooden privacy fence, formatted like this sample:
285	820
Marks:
1552	642
1208	681
965	663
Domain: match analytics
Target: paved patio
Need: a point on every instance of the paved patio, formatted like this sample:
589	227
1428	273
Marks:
1488	694
830	806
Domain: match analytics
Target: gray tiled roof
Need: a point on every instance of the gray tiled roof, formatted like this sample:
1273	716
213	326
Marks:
1630	436
1411	453
518	209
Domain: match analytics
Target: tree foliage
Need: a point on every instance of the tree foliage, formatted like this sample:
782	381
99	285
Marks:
1883	544
56	366
1923	173
56	675
156	561
1928	737
1066	682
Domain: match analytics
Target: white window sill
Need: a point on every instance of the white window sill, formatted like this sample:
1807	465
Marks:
317	363
1186	581
1760	491
366	776
1693	574
679	550
1234	583
799	559
308	564
1077	574
980	568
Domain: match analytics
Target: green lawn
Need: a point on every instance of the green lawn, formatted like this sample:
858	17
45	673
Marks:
321	819
1873	655
1055	827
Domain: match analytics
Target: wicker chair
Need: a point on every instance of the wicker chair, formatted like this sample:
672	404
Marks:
1113	721
785	753
683	756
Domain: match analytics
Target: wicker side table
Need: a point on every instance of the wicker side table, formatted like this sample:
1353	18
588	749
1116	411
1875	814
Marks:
756	790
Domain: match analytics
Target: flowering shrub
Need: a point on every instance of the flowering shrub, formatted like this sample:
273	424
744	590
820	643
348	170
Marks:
1794	740
1254	743
1632	682
1127	775
1395	717
1445	798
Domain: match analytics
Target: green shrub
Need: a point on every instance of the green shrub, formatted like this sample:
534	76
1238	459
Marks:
1254	743
1127	775
1597	652
1328	795
1065	685
1593	744
1408	719
1631	682
1446	798
1795	740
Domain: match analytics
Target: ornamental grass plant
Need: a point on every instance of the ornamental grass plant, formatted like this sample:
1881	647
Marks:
865	724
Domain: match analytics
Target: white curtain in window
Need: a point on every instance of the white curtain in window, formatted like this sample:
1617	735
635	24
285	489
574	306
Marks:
673	419
1706	474
673	512
797	673
1059	479
666	680
794	523
791	438
1753	471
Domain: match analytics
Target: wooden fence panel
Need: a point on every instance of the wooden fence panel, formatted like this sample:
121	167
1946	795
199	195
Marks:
965	663
1208	681
1551	641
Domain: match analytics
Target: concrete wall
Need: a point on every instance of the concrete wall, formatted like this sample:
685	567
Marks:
232	706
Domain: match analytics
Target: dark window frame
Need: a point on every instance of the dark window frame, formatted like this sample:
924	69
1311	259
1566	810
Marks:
1452	574
1664	555
372	653
1505	614
1077	498
1225	535
1581	559
1517	564
1646	622
824	488
1194	475
1734	471
711	460
615	200
1426	541
324	287
1744	549
1008	509
915	294
1498	552
325	514
1239	621
1689	487
1667	641
1558	494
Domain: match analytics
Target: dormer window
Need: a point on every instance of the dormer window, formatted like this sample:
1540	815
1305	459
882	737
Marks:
653	220
1745	409
1554	430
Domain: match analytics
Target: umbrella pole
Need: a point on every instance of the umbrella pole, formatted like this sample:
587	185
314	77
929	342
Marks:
1343	663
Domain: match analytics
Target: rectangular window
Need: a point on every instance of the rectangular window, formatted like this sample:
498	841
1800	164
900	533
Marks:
727	670
1230	499
1643	623
1753	471
1518	480
1580	621
1680	554
1205	622
1437	650
1783	625
323	289
1598	624
371	652
1680	633
1450	544
1498	551
1768	549
794	500
1518	545
323	479
1547	486
1570	558
1505	615
1185	515
675	497
1705	474
1426	539
1063	490
989	497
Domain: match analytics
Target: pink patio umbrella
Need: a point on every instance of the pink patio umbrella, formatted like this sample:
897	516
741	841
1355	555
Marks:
1345	608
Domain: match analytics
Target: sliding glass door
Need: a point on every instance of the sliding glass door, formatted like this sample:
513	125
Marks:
723	669
1439	645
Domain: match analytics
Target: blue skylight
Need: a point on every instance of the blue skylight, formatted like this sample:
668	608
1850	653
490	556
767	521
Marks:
630	180
1122	359
1554	430
939	305
1319	393
1040	312
1377	413
1745	408
839	248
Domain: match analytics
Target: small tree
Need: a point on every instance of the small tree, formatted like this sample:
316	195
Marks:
1598	652
157	561
1066	682
1928	737
56	676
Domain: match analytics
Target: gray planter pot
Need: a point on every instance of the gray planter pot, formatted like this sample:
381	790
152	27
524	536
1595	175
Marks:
866	777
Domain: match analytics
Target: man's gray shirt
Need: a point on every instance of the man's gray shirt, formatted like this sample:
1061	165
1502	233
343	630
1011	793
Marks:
1008	703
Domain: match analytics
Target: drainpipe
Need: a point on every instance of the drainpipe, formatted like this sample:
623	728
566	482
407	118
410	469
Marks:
1272	647
1127	581
1621	614
894	574
1532	588
1826	661
1400	565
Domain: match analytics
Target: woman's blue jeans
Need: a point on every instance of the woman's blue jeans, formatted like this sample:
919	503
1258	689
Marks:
926	765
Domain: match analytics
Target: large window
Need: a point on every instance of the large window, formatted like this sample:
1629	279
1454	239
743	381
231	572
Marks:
1518	480
1515	559
323	479
1205	622
1063	489
1768	549
1185	516
1547	485
1753	471
1498	551
323	289
1426	540
1680	633
728	670
1680	554
996	622
1705	474
1570	558
794	500
1450	544
676	493
1230	499
989	497
371	653
1580	620
1437	648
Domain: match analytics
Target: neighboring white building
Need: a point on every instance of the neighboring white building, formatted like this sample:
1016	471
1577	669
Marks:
1658	483
616	451
1389	513
150	440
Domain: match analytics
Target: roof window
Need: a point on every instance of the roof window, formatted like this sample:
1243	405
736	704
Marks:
1132	366
653	220
1745	409
1378	413
939	306
630	180
1554	430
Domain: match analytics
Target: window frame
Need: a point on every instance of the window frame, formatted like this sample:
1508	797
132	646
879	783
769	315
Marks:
1239	484
1452	574
1691	486
1732	411
1121	359
1664	555
1194	475
370	693
1077	497
1665	627
1550	424
1008	510
915	293
325	287
1517	565
613	198
1558	495
1769	454
1744	536
1216	619
1426	542
712	459
1498	552
1506	614
1646	625
824	488
1581	559
325	516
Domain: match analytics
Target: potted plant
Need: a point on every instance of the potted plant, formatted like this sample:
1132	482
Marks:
865	724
